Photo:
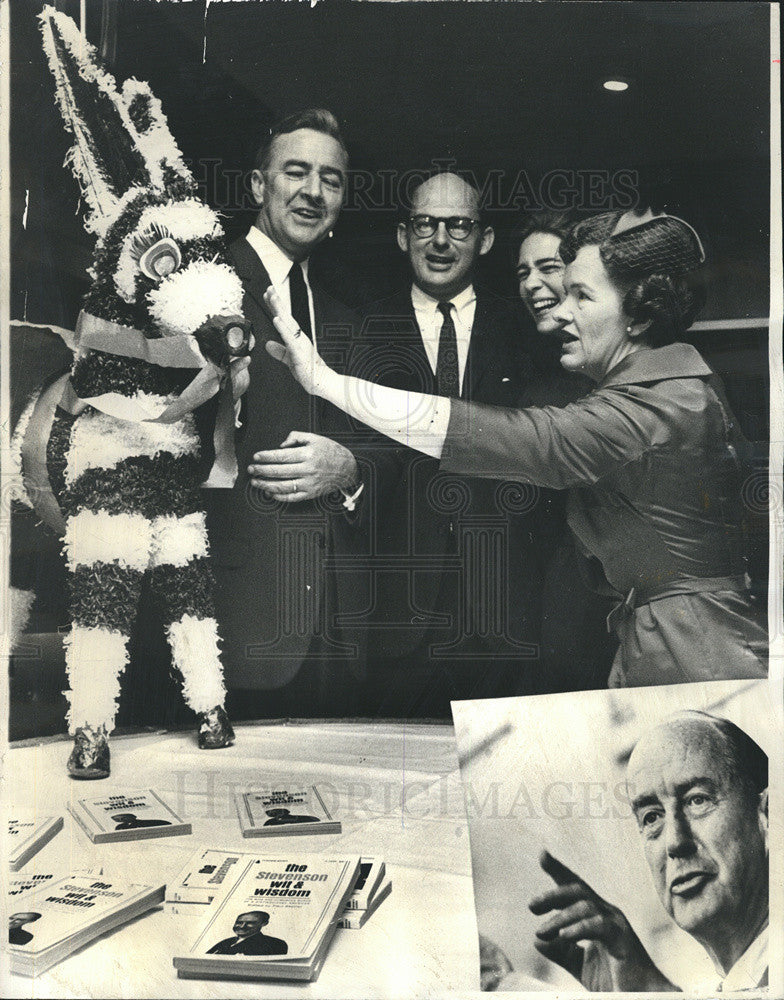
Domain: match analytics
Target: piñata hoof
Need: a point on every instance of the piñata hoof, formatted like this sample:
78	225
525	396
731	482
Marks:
215	730
90	754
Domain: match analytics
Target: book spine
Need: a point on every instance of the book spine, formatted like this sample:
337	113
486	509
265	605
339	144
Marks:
296	830
117	836
357	904
34	844
74	811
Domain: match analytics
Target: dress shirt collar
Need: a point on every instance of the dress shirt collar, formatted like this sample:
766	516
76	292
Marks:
276	263
652	364
750	969
422	301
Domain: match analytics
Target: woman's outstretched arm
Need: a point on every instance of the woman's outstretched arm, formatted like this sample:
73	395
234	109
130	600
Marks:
409	418
576	445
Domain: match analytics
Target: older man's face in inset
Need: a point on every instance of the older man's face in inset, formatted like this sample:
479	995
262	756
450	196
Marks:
704	833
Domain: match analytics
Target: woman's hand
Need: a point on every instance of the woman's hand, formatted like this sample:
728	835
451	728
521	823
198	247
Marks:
408	418
297	351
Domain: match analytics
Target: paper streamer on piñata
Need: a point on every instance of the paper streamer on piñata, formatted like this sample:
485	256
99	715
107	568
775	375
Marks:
94	334
97	334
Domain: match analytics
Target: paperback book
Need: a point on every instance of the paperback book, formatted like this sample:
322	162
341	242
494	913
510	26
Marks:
274	920
355	919
284	812
27	834
129	815
34	880
207	875
55	918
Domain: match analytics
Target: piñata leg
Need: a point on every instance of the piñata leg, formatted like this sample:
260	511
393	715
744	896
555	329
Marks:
107	555
103	474
182	583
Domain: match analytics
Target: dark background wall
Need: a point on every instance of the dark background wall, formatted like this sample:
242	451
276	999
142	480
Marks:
510	92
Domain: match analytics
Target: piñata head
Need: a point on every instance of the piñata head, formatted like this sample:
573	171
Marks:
159	265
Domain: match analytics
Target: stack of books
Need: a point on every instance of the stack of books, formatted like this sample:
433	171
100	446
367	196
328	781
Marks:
209	873
27	834
371	890
55	917
269	917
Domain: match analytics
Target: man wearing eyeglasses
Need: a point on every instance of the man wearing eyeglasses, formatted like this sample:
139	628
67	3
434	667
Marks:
457	604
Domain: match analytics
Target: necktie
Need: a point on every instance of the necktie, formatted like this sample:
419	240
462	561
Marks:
447	370
300	304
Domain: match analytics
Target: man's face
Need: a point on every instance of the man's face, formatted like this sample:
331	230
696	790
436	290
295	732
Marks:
17	920
704	836
247	924
301	191
443	266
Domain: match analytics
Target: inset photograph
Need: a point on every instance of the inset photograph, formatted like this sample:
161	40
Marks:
620	841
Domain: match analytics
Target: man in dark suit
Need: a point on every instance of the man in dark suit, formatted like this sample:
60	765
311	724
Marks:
248	939
457	567
271	534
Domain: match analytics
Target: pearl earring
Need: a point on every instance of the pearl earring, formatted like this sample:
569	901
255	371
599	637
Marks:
628	329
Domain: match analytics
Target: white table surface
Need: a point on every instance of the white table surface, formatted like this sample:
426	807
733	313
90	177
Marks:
397	792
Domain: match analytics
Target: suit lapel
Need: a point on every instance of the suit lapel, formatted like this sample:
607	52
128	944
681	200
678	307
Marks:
392	326
414	345
478	348
252	272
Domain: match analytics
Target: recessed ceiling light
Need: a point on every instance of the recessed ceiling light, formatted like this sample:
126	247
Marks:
615	85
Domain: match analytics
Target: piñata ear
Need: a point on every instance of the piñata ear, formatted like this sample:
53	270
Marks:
105	157
154	140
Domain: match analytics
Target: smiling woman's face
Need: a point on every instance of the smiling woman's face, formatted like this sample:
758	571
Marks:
540	278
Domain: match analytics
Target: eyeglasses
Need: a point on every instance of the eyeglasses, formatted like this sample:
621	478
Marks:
458	226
